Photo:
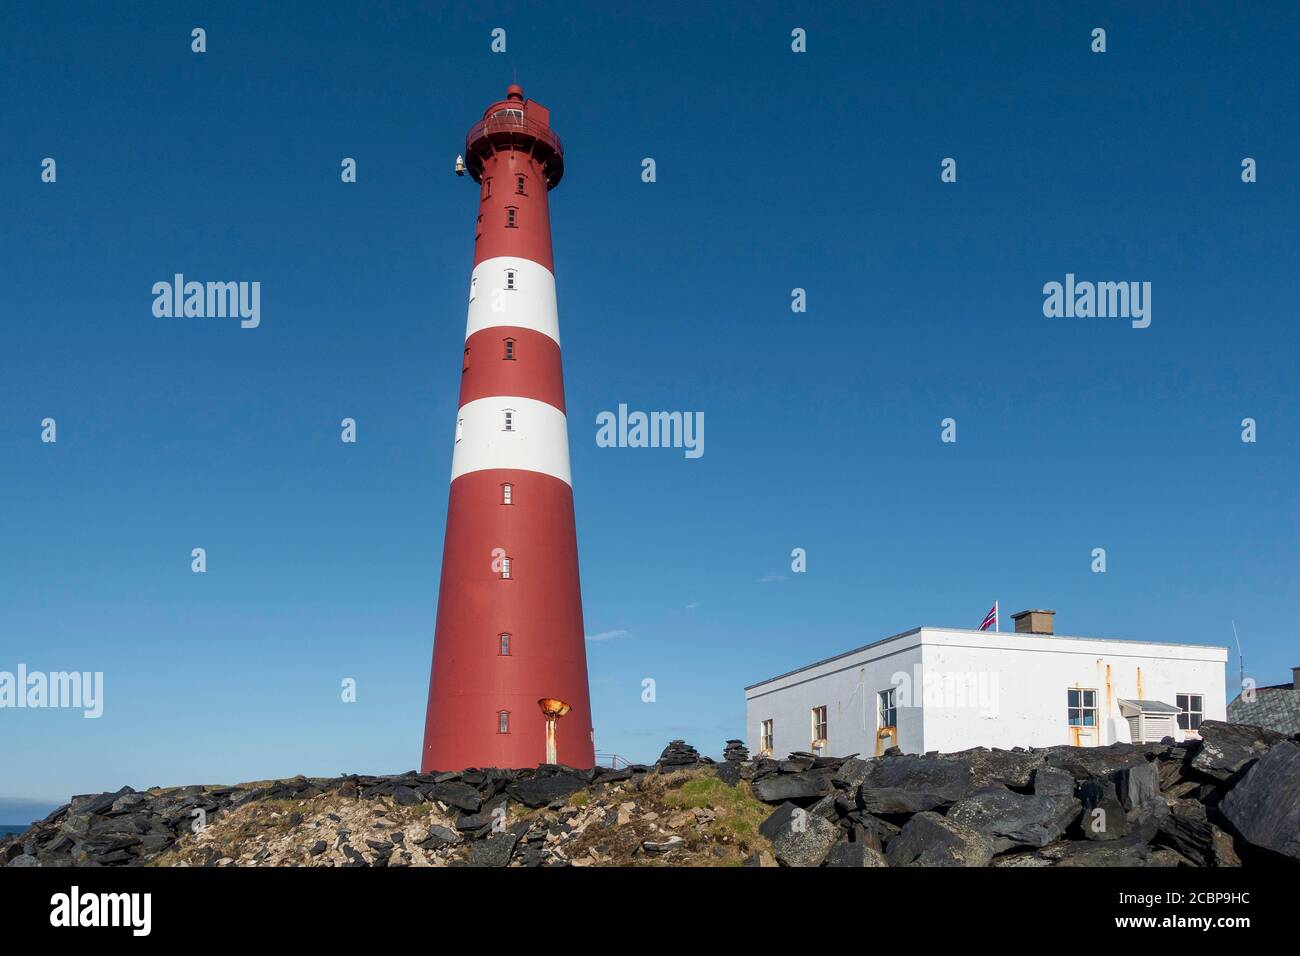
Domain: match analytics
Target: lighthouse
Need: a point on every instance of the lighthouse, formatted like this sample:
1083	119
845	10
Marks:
509	681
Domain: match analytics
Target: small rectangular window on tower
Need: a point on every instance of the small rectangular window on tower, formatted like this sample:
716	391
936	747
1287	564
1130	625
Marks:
509	421
505	645
460	429
519	188
505	569
510	349
510	278
512	217
507	493
503	721
487	188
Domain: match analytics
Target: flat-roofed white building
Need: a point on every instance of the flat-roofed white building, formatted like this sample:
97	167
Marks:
949	689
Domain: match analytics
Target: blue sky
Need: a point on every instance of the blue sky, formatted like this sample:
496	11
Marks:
774	170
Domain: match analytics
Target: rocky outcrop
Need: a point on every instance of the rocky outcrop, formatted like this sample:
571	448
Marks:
1222	802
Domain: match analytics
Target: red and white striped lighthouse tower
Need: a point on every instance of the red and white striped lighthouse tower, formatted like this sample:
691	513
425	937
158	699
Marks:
509	679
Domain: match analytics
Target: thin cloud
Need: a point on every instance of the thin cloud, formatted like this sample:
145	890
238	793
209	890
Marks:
609	636
770	578
693	605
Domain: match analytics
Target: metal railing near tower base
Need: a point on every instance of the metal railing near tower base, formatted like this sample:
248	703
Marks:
613	761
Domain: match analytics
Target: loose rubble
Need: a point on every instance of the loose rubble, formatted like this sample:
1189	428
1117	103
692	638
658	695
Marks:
1225	800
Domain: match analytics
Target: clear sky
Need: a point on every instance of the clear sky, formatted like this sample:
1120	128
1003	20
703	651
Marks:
775	170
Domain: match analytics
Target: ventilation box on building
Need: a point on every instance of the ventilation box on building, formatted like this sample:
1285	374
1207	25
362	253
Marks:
1036	621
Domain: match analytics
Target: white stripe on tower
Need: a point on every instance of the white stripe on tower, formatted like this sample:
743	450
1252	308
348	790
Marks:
529	305
537	439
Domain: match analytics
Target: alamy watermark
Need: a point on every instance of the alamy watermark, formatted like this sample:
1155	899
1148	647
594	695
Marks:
209	300
1103	300
651	430
82	690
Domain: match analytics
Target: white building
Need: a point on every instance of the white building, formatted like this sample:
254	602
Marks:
949	689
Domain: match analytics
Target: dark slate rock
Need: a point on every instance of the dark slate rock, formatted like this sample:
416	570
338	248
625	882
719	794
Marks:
1111	823
798	837
317	848
24	860
406	796
1228	749
728	772
97	803
1013	819
1053	782
805	786
544	791
910	784
778	818
929	839
851	773
1188	830
1014	768
854	855
1138	786
438	837
496	850
1084	762
1263	808
456	794
1131	850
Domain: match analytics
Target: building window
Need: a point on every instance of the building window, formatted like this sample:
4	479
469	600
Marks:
818	725
510	350
510	278
509	420
460	429
888	704
520	179
503	721
1191	708
507	493
765	737
505	569
504	645
512	217
1082	705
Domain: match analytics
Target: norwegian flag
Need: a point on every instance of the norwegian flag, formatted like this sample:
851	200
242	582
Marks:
991	618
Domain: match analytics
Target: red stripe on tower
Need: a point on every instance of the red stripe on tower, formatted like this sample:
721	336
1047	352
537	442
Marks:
509	655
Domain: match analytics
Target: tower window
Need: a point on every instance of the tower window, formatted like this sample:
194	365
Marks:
519	184
478	226
510	278
465	366
503	721
507	493
505	568
473	288
510	349
509	420
504	645
487	188
512	217
460	429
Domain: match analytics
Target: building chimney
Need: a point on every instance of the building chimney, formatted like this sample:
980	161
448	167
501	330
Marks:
1035	621
1295	678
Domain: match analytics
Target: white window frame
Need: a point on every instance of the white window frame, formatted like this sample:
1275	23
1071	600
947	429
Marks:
823	724
1082	707
1189	711
507	493
765	736
503	721
503	644
508	420
887	708
505	568
511	274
